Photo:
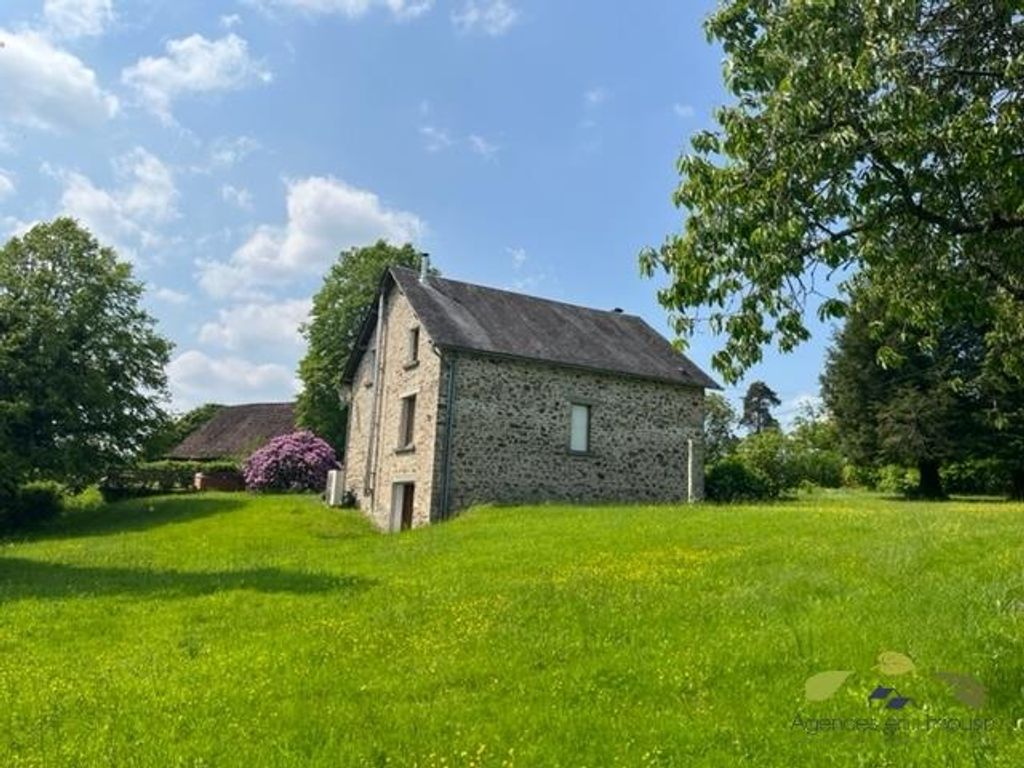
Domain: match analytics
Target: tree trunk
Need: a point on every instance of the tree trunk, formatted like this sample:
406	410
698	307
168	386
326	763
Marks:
930	484
1017	484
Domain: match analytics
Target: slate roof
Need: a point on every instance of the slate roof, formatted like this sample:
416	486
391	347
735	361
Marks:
463	316
235	431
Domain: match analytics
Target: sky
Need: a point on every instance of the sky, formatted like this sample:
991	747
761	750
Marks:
230	150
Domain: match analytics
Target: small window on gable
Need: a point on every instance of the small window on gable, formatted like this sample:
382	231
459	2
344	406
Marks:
413	355
371	367
407	423
579	434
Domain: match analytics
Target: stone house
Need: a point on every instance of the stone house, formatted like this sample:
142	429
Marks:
461	394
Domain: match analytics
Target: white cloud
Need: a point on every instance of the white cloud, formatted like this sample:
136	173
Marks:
258	325
78	18
14	227
169	295
595	97
227	152
196	378
400	9
230	20
683	110
48	88
491	17
593	100
482	146
325	216
524	281
436	138
796	406
150	194
237	196
194	65
7	185
532	283
128	216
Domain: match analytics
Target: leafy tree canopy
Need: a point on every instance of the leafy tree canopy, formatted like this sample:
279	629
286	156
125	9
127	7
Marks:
338	310
719	421
864	133
926	409
81	363
814	428
757	408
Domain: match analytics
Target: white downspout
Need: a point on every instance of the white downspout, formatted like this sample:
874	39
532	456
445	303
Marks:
369	477
689	471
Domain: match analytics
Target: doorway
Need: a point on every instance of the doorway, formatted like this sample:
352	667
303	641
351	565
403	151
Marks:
402	497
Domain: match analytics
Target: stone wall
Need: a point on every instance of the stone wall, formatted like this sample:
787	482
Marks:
388	463
511	435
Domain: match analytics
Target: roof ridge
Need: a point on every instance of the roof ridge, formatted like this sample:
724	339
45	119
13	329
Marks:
251	405
621	313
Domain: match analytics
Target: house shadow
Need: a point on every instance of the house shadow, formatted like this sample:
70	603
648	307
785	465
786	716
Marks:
137	515
22	578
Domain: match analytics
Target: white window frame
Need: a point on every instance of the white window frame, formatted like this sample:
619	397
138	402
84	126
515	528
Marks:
580	433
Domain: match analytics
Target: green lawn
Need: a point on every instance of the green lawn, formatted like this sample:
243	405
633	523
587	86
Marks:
228	630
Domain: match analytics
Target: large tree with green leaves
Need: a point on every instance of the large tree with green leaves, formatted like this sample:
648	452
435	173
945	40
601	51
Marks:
886	134
81	363
338	311
1002	402
923	408
757	408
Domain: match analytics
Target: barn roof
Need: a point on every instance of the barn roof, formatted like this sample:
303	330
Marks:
463	316
236	431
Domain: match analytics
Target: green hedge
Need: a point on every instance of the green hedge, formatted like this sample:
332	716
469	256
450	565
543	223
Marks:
219	465
30	506
156	477
989	477
892	478
731	480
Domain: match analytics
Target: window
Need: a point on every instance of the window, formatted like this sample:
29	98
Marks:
414	345
579	436
406	432
371	367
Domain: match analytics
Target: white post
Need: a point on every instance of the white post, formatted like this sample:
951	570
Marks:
689	471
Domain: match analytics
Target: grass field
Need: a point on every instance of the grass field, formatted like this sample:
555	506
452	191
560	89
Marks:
228	630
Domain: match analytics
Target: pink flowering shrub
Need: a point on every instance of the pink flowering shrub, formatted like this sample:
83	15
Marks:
296	462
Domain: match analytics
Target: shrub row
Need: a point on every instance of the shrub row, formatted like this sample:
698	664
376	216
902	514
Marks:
981	477
30	506
768	464
731	480
155	477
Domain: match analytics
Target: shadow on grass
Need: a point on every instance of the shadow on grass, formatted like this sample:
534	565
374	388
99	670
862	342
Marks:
956	497
137	515
23	578
997	500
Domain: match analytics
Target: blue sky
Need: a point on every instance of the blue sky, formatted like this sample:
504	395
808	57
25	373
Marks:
231	149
